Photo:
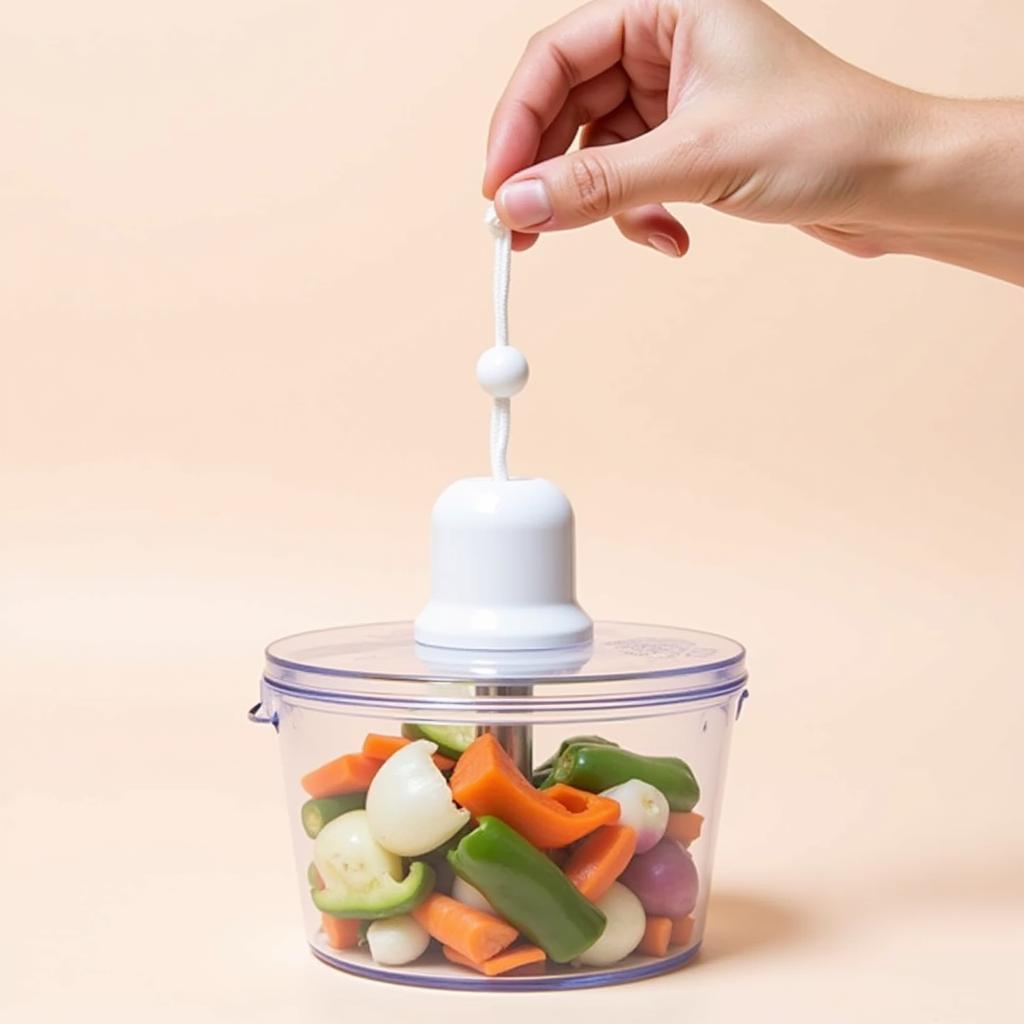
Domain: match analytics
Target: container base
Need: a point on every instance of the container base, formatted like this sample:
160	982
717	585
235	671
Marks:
440	974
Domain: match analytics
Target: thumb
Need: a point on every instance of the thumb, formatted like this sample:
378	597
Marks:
590	184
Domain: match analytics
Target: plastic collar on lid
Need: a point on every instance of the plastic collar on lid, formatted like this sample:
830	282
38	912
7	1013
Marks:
503	569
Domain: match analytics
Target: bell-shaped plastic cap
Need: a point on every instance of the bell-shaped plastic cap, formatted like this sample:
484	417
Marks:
503	569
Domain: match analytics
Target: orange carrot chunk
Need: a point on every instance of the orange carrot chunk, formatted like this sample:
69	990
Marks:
684	826
476	935
682	931
600	859
341	932
350	773
657	936
382	747
510	960
487	781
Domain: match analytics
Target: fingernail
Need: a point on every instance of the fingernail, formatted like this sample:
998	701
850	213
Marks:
525	203
665	244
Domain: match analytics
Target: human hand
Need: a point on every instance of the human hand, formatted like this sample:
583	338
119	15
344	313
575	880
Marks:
725	103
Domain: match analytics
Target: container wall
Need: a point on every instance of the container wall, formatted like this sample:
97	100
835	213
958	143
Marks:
312	734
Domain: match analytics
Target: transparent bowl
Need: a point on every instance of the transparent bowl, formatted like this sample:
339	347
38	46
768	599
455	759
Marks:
655	691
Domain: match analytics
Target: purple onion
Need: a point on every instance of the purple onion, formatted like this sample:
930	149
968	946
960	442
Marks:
664	880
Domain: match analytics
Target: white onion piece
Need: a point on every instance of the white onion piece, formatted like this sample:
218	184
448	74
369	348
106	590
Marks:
471	896
348	857
643	808
397	940
622	933
409	804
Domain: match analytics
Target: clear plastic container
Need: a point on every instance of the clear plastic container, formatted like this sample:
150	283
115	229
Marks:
653	690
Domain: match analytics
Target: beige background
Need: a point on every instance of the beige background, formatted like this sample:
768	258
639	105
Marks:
243	281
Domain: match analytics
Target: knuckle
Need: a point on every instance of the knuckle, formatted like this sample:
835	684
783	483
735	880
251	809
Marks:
595	185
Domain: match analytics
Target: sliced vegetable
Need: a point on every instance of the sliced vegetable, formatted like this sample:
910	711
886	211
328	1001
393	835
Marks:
597	767
313	877
543	770
362	879
685	826
511	960
340	933
657	936
626	924
451	740
527	889
409	804
665	879
682	931
382	747
399	940
472	897
316	813
486	781
474	934
643	808
600	859
350	773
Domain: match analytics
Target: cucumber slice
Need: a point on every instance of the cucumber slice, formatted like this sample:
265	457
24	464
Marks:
451	740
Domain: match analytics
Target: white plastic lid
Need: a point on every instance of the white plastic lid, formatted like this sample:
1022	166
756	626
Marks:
503	569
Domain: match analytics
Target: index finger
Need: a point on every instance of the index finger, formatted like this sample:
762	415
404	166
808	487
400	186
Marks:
572	50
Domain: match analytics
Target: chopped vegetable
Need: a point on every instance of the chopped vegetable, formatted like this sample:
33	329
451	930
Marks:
511	960
313	877
600	859
487	782
350	773
382	747
625	929
399	940
409	804
476	935
451	740
597	767
643	808
665	880
543	770
472	897
527	889
657	936
682	931
340	933
685	826
316	813
362	879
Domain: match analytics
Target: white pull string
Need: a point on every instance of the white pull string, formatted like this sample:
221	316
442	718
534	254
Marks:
501	410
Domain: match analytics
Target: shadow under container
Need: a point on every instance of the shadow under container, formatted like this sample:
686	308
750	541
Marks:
653	690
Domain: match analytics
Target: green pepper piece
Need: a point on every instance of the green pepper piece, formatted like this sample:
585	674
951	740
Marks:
597	768
543	770
316	813
386	899
527	889
452	740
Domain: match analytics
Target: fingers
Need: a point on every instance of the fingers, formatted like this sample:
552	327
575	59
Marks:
574	50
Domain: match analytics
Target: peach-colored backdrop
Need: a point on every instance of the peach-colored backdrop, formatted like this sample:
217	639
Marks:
243	282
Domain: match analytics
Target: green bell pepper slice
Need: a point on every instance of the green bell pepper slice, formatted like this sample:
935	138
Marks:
527	889
543	770
387	898
316	813
596	768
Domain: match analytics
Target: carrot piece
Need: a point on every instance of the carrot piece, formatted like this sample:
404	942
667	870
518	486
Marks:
487	781
657	935
510	960
382	747
341	933
682	930
476	935
600	859
350	773
684	826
